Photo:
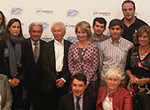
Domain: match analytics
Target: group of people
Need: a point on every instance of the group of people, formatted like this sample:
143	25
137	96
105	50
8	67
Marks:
98	72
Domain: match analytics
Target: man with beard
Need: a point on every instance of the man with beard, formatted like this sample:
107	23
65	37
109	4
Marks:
99	26
130	21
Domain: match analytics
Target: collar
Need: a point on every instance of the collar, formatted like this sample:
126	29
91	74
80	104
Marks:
118	41
113	94
59	43
135	22
75	99
97	40
34	41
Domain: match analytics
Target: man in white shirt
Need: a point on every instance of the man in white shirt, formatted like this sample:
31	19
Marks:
56	75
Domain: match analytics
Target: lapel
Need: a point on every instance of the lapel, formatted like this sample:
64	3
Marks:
65	53
41	47
51	53
71	102
30	48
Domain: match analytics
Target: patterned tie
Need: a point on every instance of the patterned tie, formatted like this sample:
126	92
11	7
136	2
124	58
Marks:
36	51
77	104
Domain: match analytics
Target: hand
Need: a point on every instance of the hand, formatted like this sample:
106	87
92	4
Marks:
59	83
142	81
133	79
14	82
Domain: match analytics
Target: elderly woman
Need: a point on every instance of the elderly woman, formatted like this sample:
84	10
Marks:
138	67
83	56
14	62
2	24
113	96
5	93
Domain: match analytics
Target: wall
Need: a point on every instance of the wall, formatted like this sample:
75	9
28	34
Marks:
68	11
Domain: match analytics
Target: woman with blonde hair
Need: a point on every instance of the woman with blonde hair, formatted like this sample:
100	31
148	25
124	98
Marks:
113	96
83	56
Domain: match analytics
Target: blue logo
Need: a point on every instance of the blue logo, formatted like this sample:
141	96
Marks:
98	13
41	11
72	13
69	25
46	39
72	39
16	11
45	25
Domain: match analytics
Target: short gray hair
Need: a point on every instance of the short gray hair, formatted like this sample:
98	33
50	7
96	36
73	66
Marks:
35	24
59	23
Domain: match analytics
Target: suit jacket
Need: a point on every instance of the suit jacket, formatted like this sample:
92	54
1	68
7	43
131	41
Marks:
35	74
49	65
5	92
122	99
23	69
67	102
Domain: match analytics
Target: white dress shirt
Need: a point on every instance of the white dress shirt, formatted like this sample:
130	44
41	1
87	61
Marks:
59	54
106	104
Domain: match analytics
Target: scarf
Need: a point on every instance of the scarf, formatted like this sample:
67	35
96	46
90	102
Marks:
14	54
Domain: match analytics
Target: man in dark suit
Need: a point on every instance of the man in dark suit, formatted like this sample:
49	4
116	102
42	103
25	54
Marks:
35	75
70	101
56	75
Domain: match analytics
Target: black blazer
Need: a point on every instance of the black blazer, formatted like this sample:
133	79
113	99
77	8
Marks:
49	64
23	70
35	74
67	102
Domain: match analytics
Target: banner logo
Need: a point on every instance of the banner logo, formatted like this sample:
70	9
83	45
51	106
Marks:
16	11
98	13
40	11
72	39
45	25
72	13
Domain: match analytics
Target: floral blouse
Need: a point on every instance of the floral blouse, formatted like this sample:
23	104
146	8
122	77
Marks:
137	66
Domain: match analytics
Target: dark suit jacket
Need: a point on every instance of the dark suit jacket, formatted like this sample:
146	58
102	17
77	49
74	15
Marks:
35	74
23	70
67	102
49	65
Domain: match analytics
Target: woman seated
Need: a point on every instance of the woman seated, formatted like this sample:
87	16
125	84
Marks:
113	96
5	93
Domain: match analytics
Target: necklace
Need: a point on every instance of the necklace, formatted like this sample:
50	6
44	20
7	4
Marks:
142	54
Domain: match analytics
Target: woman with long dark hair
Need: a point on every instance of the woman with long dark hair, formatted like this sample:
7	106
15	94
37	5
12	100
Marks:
15	62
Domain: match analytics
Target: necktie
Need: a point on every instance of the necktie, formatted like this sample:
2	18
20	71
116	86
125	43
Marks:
77	103
36	51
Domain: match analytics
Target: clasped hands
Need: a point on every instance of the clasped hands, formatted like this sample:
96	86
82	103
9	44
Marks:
14	82
139	82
